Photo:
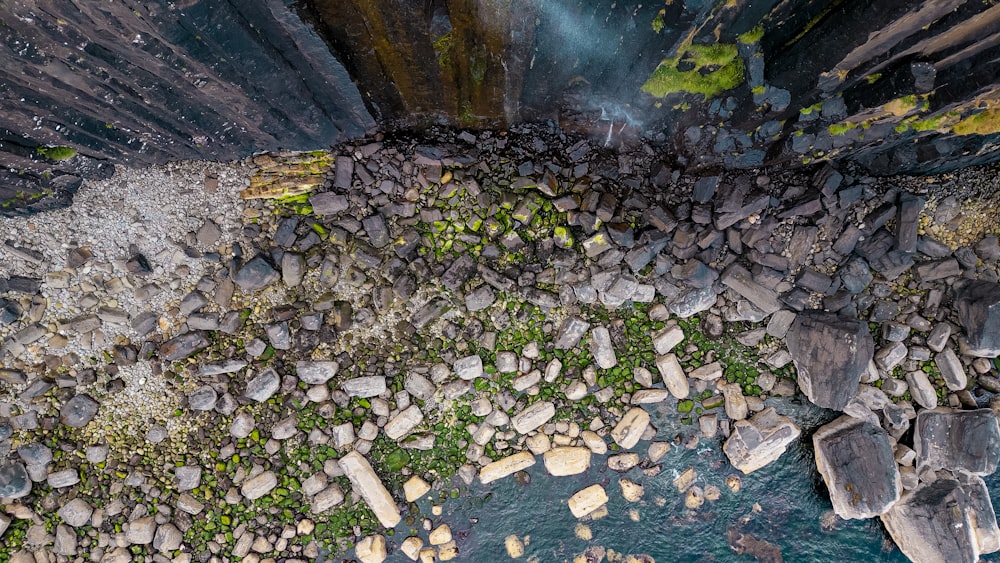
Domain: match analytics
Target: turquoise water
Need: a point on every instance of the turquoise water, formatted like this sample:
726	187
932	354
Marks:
789	492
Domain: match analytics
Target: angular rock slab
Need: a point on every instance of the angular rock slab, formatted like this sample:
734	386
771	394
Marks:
506	466
587	500
830	354
757	442
567	460
856	461
79	410
630	428
533	416
957	440
948	520
366	482
978	305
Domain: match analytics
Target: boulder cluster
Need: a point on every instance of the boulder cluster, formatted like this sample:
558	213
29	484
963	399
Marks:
475	307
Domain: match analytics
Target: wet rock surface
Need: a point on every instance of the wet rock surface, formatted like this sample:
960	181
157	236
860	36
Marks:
483	337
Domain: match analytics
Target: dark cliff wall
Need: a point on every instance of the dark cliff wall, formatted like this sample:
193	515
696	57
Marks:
137	83
898	86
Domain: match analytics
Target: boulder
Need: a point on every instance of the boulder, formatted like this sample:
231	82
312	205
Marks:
856	461
366	482
587	500
630	428
757	442
957	440
371	549
948	520
978	305
830	354
567	460
533	416
506	466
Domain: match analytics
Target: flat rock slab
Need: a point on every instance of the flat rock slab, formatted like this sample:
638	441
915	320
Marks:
316	373
263	386
739	280
830	354
78	411
506	466
630	428
258	486
673	376
567	460
856	461
570	332
469	367
957	440
947	520
404	422
978	305
533	416
256	274
601	348
364	387
757	442
180	347
365	482
587	500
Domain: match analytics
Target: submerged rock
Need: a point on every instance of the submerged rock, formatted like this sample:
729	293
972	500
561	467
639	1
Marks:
856	461
830	354
947	520
957	440
757	442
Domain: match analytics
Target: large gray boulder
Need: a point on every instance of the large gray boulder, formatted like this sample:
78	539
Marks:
957	440
978	305
856	461
830	354
757	442
949	520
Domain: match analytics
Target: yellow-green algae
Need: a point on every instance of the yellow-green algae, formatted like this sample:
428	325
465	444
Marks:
713	70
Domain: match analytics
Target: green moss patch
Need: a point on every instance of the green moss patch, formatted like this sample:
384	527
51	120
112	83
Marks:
698	69
56	152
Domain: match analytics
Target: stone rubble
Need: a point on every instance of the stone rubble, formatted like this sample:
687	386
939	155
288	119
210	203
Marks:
284	319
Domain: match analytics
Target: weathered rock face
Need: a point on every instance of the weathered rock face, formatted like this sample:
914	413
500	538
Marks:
856	461
757	442
830	354
946	520
897	86
978	305
957	440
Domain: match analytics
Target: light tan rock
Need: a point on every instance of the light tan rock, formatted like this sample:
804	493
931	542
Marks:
736	403
448	551
371	549
514	545
567	460
757	442
685	479
665	340
631	491
403	423
411	547
583	532
533	416
657	450
630	428
440	535
673	376
538	443
506	466
414	488
623	462
366	482
594	441
694	498
587	500
428	555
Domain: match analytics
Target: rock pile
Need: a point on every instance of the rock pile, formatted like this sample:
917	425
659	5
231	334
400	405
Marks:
469	306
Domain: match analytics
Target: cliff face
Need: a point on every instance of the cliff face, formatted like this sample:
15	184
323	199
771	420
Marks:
907	86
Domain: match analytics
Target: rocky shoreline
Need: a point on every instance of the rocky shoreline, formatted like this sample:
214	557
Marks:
188	375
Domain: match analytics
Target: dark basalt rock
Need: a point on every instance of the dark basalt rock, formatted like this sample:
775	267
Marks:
79	410
957	440
14	481
978	305
949	519
180	347
830	354
856	461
